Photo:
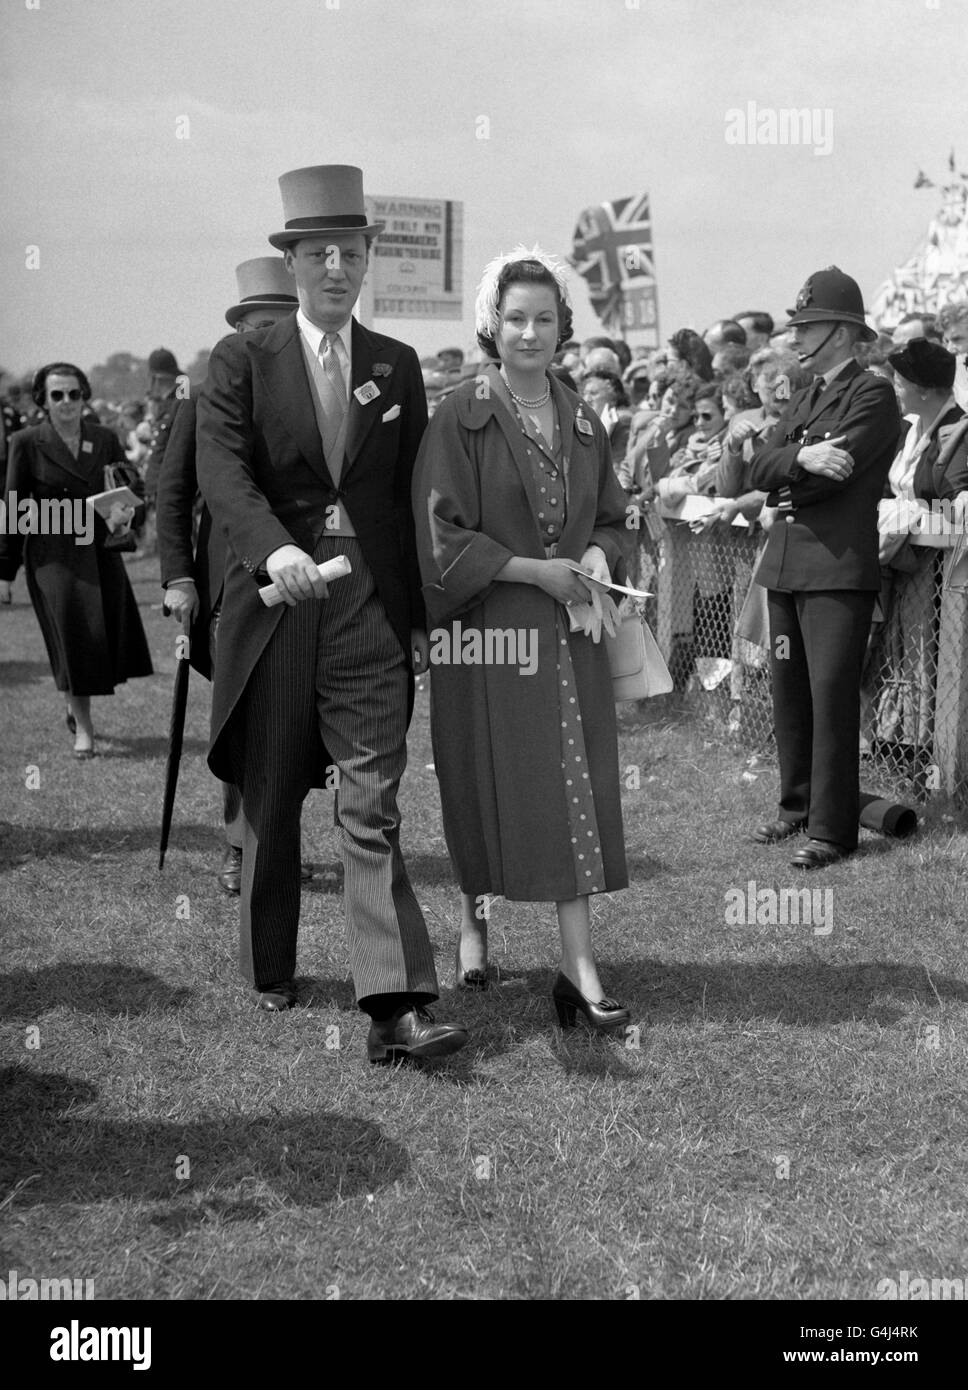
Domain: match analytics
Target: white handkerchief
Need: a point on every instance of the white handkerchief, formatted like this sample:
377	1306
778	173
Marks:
391	414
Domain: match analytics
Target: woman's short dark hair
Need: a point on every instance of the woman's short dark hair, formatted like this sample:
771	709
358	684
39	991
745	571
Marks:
618	390
38	389
528	272
693	351
710	391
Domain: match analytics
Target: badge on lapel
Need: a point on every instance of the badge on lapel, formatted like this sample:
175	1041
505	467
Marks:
367	392
382	369
87	447
584	426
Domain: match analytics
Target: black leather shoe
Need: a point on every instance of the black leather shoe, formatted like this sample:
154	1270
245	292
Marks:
230	874
817	854
773	831
277	998
602	1017
412	1034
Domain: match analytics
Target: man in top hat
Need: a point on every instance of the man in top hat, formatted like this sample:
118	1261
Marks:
824	467
307	433
192	576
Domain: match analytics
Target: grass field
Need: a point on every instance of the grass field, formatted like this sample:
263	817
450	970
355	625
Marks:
787	1119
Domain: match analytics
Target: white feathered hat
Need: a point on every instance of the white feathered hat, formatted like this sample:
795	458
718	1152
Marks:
486	303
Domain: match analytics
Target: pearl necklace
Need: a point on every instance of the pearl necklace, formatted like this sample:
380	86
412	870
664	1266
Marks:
523	400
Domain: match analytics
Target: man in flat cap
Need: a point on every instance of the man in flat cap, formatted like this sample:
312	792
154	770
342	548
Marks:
307	433
191	573
824	467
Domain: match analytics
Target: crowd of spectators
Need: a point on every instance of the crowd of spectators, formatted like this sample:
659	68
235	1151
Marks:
682	419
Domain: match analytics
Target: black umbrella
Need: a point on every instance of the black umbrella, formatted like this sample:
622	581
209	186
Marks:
176	731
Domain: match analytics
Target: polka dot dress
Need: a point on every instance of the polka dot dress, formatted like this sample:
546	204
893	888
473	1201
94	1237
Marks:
550	473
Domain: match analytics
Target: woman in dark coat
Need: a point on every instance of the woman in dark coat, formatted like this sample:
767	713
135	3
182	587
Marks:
79	589
513	479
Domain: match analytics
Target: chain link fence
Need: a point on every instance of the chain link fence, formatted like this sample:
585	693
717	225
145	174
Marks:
710	623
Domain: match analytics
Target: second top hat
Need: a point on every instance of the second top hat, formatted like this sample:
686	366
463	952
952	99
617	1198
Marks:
264	283
320	199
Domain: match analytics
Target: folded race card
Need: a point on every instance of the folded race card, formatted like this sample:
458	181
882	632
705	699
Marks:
619	588
104	503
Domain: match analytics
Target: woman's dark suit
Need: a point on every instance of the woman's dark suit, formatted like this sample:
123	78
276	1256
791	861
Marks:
80	591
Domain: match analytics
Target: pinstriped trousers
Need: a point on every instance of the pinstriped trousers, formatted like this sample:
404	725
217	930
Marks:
333	670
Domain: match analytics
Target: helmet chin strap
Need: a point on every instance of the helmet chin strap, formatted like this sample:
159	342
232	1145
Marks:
805	357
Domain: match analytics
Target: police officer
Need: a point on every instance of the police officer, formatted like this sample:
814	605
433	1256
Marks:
823	467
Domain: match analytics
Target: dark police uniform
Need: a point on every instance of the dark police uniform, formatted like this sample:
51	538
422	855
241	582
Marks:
820	566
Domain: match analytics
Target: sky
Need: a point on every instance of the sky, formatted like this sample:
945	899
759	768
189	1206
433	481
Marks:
123	222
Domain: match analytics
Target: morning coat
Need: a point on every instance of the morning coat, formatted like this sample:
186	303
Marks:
263	476
204	562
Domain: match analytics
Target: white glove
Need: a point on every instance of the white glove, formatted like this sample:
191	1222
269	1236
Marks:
589	618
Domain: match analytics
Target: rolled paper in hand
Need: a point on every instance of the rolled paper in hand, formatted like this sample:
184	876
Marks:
887	817
330	569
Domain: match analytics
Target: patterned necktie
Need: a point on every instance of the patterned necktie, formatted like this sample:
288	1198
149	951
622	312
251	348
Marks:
333	375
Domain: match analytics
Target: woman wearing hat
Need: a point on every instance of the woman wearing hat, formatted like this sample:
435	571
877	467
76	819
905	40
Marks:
513	493
924	476
79	589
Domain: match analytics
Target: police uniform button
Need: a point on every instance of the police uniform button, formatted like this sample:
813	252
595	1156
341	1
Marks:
789	520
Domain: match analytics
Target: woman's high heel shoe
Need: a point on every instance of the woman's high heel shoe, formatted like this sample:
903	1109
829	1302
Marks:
570	1002
469	979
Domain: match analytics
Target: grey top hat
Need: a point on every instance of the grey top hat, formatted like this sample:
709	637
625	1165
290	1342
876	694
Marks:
323	198
264	283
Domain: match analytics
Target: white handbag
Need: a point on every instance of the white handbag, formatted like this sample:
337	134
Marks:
638	669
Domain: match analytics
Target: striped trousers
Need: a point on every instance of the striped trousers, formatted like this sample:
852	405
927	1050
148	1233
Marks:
332	671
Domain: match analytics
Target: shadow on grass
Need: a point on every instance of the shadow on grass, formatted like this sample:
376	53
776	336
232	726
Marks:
24	672
518	1010
261	1163
316	993
428	869
809	995
89	987
21	844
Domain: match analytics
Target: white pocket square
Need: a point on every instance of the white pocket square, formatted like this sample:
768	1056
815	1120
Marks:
391	414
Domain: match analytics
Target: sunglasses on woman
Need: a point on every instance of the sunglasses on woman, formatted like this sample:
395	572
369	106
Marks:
72	395
700	416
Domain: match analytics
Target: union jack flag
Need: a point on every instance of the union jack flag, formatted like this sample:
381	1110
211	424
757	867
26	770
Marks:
612	251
